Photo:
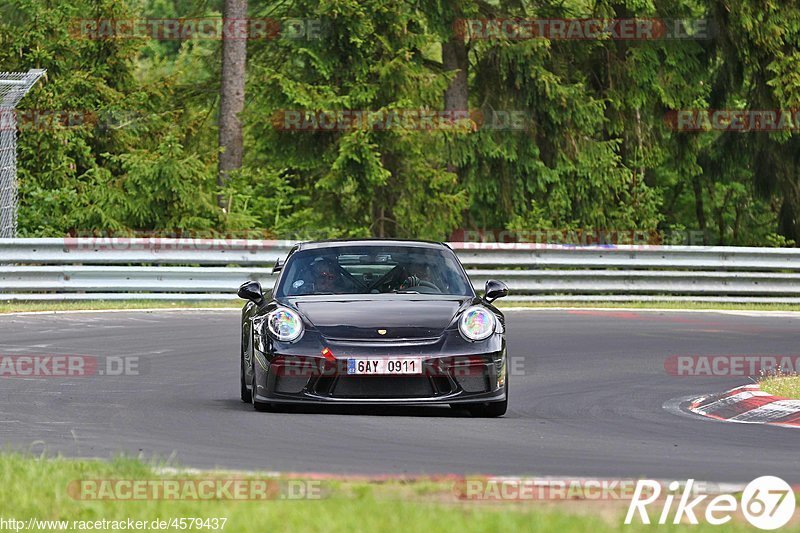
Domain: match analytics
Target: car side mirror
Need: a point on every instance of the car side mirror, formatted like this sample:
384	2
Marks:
494	289
251	290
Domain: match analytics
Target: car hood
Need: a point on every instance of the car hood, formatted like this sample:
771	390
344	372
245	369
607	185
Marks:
401	318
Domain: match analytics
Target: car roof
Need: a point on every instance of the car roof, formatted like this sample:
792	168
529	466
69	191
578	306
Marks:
331	243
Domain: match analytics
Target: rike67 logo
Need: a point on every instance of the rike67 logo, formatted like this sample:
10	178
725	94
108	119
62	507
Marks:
767	502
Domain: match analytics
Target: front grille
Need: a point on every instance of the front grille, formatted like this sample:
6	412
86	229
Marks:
474	383
401	342
290	384
383	387
443	385
324	385
473	374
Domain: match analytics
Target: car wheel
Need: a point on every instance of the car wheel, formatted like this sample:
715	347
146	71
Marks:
489	409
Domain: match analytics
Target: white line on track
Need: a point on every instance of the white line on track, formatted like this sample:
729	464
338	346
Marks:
743	312
148	310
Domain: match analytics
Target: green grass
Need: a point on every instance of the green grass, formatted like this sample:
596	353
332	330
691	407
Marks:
711	306
783	386
10	306
37	488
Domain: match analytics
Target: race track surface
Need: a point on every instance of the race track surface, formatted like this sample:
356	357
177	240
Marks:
587	399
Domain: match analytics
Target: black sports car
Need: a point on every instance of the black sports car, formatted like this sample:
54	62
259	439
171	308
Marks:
374	322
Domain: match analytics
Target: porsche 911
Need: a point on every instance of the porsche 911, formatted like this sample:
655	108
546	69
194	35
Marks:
373	322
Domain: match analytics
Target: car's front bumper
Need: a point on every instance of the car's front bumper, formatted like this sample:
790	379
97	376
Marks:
444	380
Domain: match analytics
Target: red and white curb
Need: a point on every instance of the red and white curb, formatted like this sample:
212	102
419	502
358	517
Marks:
748	405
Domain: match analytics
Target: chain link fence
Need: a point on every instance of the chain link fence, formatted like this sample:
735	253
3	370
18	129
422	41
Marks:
13	86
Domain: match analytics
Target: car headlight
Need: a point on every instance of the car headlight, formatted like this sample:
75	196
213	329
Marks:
477	323
285	324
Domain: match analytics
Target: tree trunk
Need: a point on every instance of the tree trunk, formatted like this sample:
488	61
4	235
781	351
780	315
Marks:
454	57
456	97
787	220
699	209
234	57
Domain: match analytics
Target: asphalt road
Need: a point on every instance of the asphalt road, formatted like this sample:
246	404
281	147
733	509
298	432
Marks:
587	399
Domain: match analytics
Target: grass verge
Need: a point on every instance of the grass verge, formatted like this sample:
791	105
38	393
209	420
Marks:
39	489
782	386
8	306
710	306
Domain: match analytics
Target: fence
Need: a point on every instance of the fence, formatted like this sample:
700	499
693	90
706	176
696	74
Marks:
13	86
206	269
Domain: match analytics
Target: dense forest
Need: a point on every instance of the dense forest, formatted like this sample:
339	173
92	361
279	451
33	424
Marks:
548	131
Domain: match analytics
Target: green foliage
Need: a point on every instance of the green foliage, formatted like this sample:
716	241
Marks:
359	181
594	152
137	156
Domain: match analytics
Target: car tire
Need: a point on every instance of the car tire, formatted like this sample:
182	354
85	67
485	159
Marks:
247	396
489	409
261	407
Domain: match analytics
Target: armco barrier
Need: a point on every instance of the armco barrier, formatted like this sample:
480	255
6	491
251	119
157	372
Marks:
117	268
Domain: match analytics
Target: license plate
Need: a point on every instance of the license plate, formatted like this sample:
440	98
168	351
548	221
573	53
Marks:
388	366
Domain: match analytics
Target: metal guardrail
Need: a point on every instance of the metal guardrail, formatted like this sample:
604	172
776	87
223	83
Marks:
115	268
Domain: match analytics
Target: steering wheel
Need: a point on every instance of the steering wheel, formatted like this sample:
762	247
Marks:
428	284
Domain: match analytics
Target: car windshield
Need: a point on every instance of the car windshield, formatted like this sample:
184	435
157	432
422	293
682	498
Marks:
373	270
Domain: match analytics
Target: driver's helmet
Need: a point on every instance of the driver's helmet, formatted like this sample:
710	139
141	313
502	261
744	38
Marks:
324	272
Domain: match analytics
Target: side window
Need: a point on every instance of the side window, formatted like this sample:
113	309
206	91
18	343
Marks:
282	271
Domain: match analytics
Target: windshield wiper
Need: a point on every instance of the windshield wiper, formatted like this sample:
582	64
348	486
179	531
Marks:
405	291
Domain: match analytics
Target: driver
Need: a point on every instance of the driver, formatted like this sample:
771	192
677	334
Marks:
327	277
416	273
